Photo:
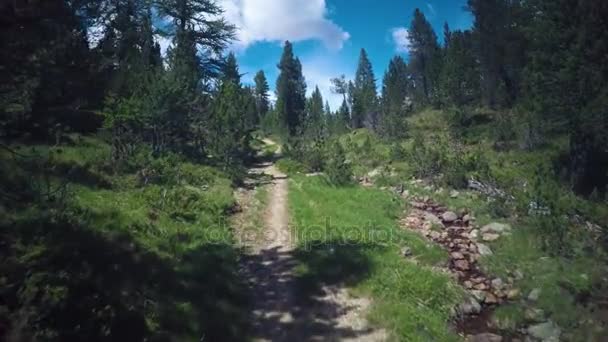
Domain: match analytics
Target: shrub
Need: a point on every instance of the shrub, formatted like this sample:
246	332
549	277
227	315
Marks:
290	166
338	170
546	211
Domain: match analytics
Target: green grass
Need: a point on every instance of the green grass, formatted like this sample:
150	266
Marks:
561	281
119	257
570	286
349	236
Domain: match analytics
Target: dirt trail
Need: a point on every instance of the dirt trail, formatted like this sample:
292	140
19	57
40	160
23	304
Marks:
278	314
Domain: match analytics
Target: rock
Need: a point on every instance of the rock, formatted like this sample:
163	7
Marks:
489	237
484	250
479	295
457	255
466	218
518	275
534	295
485	337
470	307
534	314
406	252
497	284
513	294
462	265
491	299
418	205
468	284
429	217
449	217
435	235
454	194
474	234
495	227
481	286
546	332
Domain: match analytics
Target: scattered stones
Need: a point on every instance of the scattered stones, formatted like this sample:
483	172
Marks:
429	217
491	299
481	287
534	295
457	255
485	337
454	194
462	265
489	237
546	332
495	227
518	275
406	252
534	314
484	250
498	284
470	307
453	232
449	217
479	295
513	294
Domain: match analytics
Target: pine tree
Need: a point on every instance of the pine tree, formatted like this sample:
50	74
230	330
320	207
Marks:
425	59
230	70
364	94
261	94
344	115
315	113
500	47
395	88
199	33
459	79
291	92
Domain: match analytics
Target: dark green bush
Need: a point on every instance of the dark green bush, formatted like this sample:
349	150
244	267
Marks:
338	170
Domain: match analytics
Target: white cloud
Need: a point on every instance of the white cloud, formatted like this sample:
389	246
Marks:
401	38
280	20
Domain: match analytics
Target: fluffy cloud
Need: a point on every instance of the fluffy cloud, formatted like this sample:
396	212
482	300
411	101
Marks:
401	38
279	20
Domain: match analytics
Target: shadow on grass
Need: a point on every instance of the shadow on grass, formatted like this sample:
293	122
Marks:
66	282
294	291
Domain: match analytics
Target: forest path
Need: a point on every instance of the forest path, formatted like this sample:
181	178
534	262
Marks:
278	311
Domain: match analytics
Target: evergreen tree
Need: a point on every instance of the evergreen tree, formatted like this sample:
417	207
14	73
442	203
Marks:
364	94
261	94
425	59
344	115
199	33
459	79
291	92
315	113
230	70
500	48
395	87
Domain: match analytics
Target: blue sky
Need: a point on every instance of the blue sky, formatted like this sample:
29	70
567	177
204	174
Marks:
328	34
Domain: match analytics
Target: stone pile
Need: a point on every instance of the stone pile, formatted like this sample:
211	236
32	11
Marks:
457	233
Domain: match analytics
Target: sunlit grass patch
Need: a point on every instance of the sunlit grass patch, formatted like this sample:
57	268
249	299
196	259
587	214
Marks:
349	235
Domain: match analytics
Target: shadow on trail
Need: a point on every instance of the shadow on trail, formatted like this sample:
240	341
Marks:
299	296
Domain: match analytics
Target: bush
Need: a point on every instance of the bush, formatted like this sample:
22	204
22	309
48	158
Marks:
338	170
546	210
290	166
